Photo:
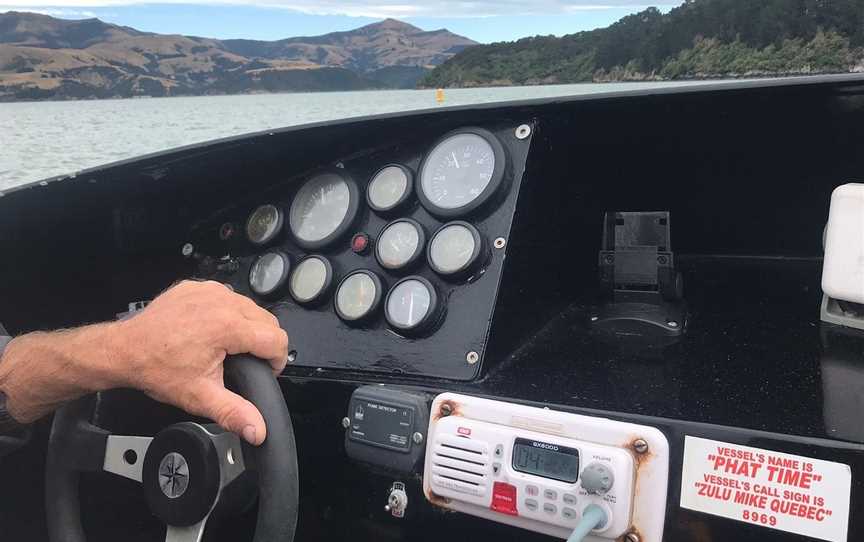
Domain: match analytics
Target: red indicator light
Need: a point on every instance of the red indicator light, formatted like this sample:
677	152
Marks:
360	243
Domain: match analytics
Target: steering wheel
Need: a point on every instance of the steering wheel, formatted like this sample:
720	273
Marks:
185	469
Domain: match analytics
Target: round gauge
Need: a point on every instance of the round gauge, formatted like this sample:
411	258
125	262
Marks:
455	249
358	296
310	280
461	172
411	305
323	209
400	244
264	224
390	188
269	273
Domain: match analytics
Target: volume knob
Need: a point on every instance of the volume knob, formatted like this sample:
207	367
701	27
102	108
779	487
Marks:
597	478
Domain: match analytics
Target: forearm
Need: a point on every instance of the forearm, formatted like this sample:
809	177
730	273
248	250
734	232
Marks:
40	371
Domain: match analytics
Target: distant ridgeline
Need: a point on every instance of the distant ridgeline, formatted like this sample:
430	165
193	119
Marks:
700	39
42	57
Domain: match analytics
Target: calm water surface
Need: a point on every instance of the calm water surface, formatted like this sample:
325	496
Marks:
44	139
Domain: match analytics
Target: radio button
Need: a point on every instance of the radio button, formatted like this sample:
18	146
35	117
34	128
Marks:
569	498
499	451
532	491
531	505
504	499
550	508
496	468
551	494
568	513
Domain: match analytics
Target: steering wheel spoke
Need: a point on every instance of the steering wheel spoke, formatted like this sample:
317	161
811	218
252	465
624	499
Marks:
191	533
124	456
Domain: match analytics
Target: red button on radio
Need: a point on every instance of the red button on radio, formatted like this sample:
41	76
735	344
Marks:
504	499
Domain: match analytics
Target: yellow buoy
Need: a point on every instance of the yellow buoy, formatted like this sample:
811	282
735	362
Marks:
439	95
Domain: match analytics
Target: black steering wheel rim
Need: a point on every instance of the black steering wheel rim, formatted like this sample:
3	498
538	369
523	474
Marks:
275	459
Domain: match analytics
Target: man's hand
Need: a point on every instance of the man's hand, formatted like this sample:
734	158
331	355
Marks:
173	351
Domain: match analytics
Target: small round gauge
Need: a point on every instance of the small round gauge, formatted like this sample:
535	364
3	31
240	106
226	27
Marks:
310	280
264	224
358	296
412	305
269	272
400	244
390	188
461	172
323	209
455	249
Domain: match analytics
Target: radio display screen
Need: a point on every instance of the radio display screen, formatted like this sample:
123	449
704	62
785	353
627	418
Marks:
546	460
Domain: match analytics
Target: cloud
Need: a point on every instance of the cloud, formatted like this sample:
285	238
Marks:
374	8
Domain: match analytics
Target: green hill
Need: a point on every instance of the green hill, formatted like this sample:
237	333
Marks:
701	38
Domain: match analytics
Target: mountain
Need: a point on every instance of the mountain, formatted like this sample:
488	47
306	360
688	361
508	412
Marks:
43	57
699	39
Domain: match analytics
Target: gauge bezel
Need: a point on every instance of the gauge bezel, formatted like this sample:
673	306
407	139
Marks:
350	216
325	290
376	302
431	317
495	183
476	257
418	252
280	225
401	202
283	279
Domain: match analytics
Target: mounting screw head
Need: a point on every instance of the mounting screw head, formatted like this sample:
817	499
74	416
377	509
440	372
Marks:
446	409
187	250
292	356
417	438
523	131
472	357
672	323
346	422
632	537
500	243
640	445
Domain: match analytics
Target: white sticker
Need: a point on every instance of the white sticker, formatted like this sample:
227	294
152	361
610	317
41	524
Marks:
780	491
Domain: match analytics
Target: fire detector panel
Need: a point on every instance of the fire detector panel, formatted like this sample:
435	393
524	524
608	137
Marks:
540	469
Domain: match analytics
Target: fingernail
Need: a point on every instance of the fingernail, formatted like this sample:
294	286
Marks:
250	435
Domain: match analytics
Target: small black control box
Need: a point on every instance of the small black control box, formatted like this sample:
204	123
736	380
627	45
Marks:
387	427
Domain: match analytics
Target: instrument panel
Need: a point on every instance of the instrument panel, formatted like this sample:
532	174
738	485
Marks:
386	261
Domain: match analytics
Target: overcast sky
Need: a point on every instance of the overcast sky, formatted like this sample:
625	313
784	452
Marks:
481	20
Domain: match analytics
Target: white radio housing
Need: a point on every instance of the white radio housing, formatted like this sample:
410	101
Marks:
470	468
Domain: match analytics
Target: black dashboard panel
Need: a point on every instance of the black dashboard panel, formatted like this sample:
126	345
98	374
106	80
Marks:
454	345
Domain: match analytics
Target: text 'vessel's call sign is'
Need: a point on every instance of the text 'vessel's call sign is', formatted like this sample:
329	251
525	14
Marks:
781	491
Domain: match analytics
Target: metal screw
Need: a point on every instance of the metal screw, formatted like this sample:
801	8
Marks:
632	537
346	422
640	445
672	323
292	356
500	243
340	165
609	258
472	358
523	131
418	438
595	318
661	260
446	409
187	250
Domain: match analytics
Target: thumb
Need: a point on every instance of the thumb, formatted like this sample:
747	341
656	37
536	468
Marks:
232	412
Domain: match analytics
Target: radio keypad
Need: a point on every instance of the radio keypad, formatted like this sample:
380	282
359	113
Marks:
550	494
570	499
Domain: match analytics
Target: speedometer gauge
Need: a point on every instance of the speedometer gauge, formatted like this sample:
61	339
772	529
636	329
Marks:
323	209
269	273
264	224
461	172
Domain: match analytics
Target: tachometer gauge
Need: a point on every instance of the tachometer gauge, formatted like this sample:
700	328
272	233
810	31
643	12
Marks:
390	188
269	273
358	296
323	210
310	280
461	172
412	305
264	224
456	250
400	244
